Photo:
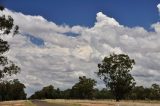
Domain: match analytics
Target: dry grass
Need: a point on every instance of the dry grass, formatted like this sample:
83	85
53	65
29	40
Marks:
29	103
104	103
85	103
63	102
16	103
12	103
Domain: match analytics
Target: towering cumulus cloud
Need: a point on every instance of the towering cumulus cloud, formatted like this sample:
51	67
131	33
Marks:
51	54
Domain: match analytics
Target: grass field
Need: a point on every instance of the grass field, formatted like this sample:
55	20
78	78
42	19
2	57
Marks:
17	103
60	102
104	103
28	103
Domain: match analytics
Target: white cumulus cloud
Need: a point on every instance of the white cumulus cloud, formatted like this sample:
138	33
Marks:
158	6
62	58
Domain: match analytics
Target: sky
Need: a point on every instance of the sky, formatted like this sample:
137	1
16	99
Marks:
60	41
83	12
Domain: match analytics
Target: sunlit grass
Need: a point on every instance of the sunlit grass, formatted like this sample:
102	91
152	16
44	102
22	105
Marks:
29	103
12	103
62	102
103	102
17	103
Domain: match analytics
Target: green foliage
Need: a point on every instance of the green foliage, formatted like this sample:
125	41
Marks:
9	90
141	93
155	92
66	94
81	90
84	88
6	27
103	94
115	73
137	93
12	90
47	92
1	8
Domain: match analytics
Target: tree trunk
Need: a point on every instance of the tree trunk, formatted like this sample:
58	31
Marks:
117	99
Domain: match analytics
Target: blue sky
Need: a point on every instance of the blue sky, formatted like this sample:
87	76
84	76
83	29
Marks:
83	12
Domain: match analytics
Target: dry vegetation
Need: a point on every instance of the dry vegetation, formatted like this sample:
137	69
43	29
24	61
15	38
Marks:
84	103
104	103
16	103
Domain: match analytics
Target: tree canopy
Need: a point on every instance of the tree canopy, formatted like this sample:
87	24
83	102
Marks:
6	27
115	71
12	90
47	92
84	89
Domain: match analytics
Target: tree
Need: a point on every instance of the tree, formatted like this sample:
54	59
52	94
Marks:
47	92
1	8
66	94
155	92
138	93
84	89
17	90
6	27
12	90
103	94
114	70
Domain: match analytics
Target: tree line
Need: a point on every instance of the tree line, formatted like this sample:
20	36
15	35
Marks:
85	89
12	90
